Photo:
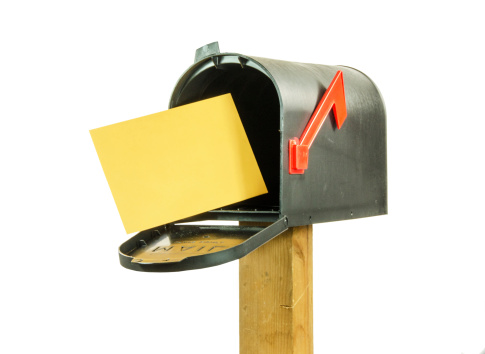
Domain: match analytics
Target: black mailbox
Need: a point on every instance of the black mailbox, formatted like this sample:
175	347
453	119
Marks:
345	169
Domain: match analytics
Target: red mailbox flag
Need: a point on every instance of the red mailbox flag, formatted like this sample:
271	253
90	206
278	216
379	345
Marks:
334	98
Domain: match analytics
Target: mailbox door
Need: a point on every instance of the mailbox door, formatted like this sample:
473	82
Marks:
178	247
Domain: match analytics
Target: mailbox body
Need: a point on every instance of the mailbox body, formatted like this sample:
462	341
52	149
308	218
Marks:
347	168
347	173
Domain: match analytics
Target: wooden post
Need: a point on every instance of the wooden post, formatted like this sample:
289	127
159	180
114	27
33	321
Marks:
276	295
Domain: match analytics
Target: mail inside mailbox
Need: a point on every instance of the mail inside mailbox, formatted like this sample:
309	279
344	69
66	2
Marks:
178	163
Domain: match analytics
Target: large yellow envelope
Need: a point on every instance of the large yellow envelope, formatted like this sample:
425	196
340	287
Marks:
174	164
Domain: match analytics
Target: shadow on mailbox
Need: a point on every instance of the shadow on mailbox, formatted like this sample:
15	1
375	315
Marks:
331	174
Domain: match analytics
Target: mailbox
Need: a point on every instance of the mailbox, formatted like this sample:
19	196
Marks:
318	167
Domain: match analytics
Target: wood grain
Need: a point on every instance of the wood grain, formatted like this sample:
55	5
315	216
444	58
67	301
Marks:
276	295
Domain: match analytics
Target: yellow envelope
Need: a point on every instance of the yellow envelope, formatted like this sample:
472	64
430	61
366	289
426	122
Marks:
174	164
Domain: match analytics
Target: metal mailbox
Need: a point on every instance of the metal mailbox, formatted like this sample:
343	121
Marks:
318	167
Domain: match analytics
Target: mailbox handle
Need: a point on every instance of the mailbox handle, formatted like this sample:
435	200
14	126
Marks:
334	97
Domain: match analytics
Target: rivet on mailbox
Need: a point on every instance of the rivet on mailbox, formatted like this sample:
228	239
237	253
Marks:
318	134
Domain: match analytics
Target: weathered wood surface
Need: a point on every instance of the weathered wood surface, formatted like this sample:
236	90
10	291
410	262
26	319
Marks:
276	295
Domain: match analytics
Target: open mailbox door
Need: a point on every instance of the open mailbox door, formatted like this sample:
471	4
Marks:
318	134
177	247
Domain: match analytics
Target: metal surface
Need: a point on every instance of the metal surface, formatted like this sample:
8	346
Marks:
347	169
347	174
170	248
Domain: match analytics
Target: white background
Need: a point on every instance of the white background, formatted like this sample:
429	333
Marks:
409	282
